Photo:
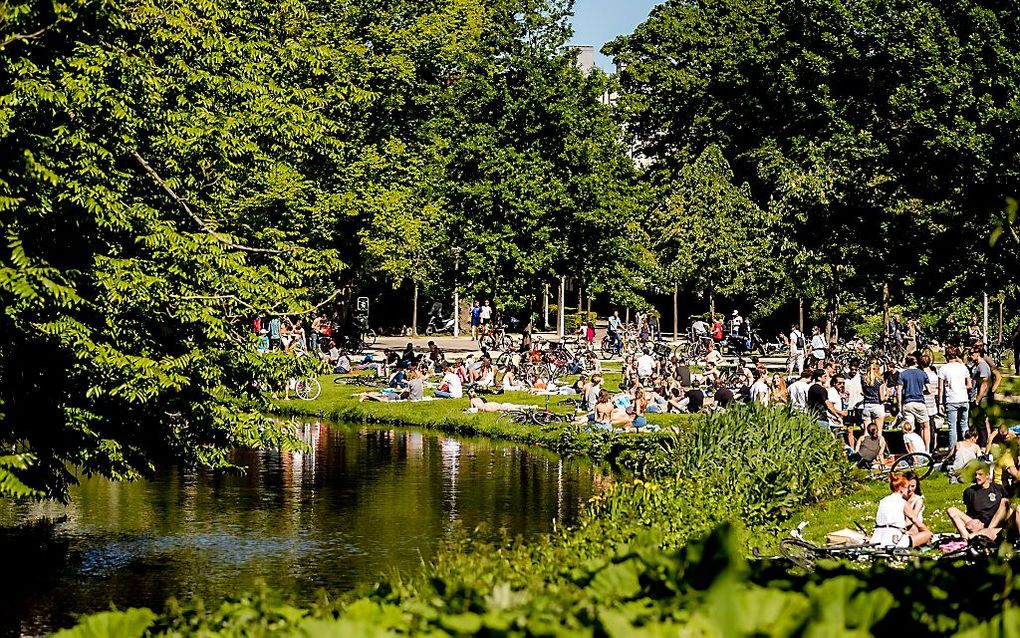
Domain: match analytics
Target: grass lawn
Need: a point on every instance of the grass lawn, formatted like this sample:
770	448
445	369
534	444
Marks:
632	451
340	402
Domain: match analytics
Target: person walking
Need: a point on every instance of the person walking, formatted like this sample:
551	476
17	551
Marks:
476	318
818	347
980	395
795	362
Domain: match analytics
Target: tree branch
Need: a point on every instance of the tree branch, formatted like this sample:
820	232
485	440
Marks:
21	37
268	311
220	237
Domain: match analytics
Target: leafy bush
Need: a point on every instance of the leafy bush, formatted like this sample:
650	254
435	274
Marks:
572	322
770	460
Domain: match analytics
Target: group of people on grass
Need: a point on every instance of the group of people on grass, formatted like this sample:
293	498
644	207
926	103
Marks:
987	513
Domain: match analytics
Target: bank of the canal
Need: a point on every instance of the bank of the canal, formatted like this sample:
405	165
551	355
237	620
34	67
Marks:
634	452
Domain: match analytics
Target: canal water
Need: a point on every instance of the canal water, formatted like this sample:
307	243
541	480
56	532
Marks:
360	503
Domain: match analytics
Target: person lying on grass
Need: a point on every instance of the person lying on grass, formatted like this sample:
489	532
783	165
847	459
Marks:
986	504
479	404
897	524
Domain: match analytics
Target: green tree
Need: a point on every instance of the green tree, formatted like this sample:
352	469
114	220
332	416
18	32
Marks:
883	134
161	186
712	237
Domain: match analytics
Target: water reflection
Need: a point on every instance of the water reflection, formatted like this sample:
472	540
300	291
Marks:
355	503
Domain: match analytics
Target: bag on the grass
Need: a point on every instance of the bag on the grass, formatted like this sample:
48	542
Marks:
847	536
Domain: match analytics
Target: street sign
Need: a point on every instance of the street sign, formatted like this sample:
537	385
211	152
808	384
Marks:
362	305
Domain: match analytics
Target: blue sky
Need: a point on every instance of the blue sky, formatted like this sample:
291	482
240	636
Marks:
599	21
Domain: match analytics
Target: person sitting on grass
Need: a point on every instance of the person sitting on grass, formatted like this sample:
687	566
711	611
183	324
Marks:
450	387
986	506
639	421
415	391
510	382
870	449
398	379
342	364
962	454
912	440
896	522
484	377
602	418
1002	451
915	499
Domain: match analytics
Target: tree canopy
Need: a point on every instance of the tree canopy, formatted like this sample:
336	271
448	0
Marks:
173	171
883	135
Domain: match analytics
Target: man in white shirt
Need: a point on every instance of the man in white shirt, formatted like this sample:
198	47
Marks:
485	316
736	323
834	403
645	365
699	330
798	391
797	343
954	395
760	391
454	388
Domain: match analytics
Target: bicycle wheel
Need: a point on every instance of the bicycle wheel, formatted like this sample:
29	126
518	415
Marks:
429	330
607	348
801	553
312	389
542	417
921	463
371	337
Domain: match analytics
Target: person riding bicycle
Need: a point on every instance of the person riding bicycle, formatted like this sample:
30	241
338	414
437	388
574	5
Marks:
616	330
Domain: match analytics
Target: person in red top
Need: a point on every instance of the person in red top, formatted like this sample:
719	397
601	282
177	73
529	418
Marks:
717	329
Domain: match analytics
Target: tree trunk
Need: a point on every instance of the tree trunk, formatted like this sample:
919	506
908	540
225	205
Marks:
1001	299
711	306
800	303
580	304
414	313
545	307
559	312
885	311
676	311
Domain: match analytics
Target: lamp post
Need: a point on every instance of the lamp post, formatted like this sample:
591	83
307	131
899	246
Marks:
456	292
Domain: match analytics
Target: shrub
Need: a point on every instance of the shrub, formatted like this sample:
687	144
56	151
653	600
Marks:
775	459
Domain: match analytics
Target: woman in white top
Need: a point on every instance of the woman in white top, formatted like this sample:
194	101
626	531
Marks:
896	523
818	347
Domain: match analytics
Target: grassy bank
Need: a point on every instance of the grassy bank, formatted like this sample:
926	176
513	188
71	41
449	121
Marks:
641	453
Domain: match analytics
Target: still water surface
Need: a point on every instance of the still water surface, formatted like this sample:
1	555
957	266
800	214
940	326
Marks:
362	502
